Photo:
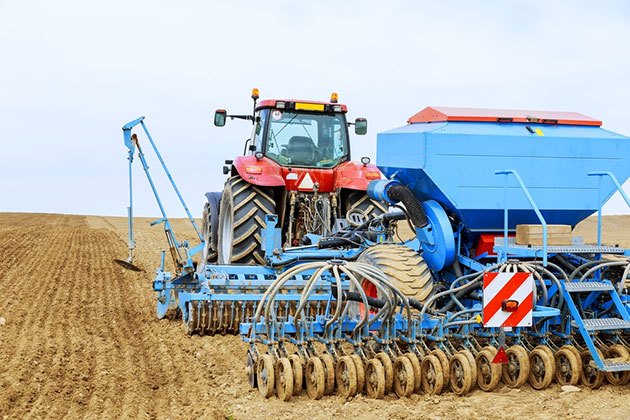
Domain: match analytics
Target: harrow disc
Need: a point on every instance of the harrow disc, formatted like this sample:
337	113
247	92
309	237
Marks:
461	374
375	379
315	378
488	373
250	369
542	368
346	373
568	366
617	351
516	371
404	381
284	379
388	367
265	375
432	375
590	376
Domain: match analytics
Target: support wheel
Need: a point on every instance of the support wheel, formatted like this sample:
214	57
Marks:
404	380
516	371
461	374
473	364
375	379
432	375
329	371
388	367
298	373
542	368
358	363
617	351
488	373
590	376
415	363
284	379
346	377
315	378
265	375
568	366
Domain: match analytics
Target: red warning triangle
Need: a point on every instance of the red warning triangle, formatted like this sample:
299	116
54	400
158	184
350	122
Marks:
501	357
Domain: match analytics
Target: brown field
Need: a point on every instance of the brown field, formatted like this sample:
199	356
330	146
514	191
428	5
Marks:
81	340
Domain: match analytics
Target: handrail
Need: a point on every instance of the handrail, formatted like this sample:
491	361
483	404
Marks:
532	203
599	210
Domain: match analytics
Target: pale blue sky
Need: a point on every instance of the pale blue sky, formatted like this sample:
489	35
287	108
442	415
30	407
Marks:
73	72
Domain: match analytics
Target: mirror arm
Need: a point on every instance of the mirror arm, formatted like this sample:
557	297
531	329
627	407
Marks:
241	117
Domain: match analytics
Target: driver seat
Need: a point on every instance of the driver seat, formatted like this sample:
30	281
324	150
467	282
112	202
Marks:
301	150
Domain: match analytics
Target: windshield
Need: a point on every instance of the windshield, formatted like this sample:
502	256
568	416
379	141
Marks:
307	139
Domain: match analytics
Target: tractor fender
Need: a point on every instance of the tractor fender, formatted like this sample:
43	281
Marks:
355	175
262	172
214	200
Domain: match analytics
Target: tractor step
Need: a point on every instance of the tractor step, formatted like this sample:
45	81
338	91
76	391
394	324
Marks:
614	365
587	286
604	324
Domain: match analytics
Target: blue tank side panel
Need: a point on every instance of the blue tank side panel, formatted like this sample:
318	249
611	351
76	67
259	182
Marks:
454	163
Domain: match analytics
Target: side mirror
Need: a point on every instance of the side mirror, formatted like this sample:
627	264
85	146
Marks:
220	116
360	126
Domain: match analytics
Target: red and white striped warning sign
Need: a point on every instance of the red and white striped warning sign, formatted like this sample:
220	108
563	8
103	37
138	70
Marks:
508	299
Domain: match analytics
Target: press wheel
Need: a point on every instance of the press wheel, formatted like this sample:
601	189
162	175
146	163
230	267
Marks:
516	371
374	379
265	375
444	361
461	374
404	381
346	373
298	373
284	379
358	364
315	378
388	367
473	364
488	373
415	363
568	366
432	375
617	351
542	368
329	373
590	376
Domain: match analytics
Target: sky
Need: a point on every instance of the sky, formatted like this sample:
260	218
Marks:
73	72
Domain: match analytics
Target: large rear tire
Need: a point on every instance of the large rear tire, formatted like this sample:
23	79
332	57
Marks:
241	216
404	267
360	207
209	254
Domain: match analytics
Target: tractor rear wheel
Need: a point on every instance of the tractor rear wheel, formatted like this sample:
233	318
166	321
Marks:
209	254
360	207
404	267
241	216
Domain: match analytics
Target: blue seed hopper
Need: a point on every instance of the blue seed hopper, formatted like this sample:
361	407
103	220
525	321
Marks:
451	155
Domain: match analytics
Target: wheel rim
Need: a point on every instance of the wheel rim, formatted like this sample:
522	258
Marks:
227	233
314	378
375	379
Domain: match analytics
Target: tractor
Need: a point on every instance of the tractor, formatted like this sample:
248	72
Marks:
296	165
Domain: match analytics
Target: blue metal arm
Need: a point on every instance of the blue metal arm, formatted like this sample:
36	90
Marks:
613	178
532	203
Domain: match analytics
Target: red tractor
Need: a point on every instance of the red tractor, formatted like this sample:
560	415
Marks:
296	164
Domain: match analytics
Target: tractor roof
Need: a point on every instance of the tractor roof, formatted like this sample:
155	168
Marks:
273	103
443	114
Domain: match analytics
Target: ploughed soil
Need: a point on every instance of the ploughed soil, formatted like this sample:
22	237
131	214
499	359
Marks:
79	338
